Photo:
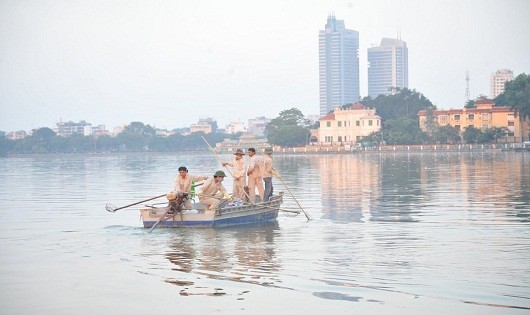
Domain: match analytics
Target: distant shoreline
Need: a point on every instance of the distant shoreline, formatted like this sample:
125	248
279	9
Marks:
317	150
431	148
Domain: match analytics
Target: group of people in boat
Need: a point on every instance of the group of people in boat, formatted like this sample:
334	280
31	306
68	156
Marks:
247	177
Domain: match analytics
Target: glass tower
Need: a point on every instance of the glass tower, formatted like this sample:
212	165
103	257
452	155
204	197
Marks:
388	67
338	65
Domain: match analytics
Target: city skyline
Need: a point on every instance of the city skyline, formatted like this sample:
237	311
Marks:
170	63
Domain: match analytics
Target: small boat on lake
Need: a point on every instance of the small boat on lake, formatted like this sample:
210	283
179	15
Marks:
231	214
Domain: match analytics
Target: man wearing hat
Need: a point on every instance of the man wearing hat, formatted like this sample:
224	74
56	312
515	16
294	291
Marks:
238	171
213	191
267	174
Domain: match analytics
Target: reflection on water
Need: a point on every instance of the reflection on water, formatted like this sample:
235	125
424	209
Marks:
405	232
407	187
243	254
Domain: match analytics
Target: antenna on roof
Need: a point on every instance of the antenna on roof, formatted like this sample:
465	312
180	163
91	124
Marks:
467	86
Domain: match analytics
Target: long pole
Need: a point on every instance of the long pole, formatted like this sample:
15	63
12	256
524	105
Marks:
287	187
159	220
111	208
178	209
219	158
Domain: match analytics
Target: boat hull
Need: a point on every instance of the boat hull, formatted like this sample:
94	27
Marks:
248	214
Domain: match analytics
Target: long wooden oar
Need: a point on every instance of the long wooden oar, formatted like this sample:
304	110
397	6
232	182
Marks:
161	219
287	187
178	209
112	208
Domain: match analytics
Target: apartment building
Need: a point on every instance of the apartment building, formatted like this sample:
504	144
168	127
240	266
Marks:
235	127
483	116
497	81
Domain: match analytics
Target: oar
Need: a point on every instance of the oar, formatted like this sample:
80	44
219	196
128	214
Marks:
160	220
112	208
287	187
177	210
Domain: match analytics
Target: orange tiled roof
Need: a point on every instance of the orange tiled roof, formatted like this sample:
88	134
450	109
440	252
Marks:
358	106
484	101
330	116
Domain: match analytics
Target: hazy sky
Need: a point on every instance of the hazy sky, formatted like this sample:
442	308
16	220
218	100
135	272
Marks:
169	63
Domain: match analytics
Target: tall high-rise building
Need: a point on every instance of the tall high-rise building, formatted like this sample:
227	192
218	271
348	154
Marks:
388	67
338	65
497	81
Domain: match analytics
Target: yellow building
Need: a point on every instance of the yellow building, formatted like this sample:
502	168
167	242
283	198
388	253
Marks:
483	116
348	126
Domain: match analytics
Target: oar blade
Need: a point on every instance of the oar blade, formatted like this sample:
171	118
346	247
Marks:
110	207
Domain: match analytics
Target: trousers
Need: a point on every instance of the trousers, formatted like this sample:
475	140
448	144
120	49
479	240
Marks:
253	183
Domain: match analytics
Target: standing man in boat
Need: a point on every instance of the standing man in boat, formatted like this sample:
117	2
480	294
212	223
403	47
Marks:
238	172
255	169
213	191
184	185
267	174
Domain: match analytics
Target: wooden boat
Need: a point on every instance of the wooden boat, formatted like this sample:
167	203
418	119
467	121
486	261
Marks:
244	214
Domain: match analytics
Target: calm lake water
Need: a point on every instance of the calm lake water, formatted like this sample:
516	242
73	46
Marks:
390	234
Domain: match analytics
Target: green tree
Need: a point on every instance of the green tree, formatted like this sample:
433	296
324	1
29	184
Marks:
289	136
43	134
404	131
472	135
106	143
42	140
517	95
399	114
136	136
78	143
405	103
5	144
495	134
446	134
289	129
430	122
138	129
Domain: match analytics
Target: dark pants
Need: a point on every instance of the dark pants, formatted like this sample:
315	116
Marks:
268	188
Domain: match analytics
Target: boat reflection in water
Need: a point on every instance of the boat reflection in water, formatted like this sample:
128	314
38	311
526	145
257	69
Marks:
244	254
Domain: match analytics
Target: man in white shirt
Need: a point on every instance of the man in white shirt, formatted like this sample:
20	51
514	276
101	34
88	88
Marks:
267	174
238	172
254	175
184	185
